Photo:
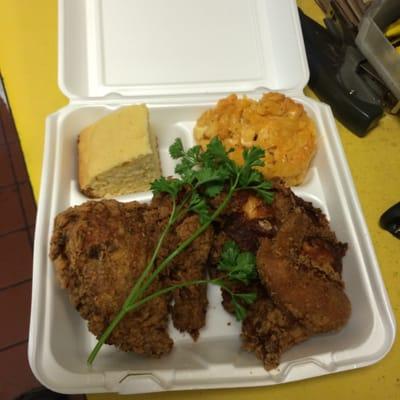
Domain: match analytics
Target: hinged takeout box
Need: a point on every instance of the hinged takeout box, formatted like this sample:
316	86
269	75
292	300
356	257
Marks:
179	57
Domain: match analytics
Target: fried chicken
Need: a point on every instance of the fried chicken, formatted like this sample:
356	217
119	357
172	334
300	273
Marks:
99	251
190	303
269	331
101	248
298	269
246	220
299	262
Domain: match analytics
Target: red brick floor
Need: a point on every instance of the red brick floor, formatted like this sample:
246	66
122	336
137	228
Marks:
17	219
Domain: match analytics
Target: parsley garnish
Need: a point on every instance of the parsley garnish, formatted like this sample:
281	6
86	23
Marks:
239	266
201	175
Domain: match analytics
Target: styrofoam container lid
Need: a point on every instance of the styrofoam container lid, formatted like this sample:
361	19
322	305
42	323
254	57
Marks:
158	47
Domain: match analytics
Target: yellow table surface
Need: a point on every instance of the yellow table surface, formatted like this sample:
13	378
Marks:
28	63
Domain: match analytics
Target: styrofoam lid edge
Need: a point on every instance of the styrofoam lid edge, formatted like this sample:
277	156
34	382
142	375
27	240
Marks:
145	48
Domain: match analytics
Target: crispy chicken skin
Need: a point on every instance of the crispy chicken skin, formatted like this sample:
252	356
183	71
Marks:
269	331
299	262
99	250
246	220
190	303
301	281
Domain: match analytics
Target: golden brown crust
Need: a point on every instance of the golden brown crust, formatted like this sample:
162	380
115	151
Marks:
313	295
99	250
189	304
101	247
299	262
269	331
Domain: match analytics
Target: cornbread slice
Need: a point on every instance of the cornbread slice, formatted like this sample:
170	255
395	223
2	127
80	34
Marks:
118	154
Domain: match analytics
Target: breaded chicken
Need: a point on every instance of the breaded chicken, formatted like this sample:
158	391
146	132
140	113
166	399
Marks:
305	282
189	305
269	331
99	250
299	261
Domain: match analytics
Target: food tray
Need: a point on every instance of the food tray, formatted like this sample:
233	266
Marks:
59	341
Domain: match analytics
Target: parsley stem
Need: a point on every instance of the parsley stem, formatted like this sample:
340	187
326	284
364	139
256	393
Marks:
205	168
193	237
136	292
134	306
133	294
105	335
170	289
136	288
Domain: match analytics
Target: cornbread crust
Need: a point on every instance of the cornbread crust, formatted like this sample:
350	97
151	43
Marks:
275	123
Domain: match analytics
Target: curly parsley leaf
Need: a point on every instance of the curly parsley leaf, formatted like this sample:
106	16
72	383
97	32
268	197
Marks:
238	299
229	255
217	157
188	164
252	157
240	311
264	191
252	179
176	149
215	151
211	180
248	298
240	266
199	206
214	189
170	186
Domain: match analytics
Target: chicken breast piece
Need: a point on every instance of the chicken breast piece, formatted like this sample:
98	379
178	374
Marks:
99	250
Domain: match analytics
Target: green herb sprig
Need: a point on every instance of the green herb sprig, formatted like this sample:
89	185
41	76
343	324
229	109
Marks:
239	267
202	174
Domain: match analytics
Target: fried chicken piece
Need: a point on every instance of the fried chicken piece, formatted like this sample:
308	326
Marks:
190	303
99	250
299	262
246	220
304	290
268	331
302	281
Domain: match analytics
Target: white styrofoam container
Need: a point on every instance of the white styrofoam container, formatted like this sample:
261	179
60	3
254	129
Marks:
179	57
